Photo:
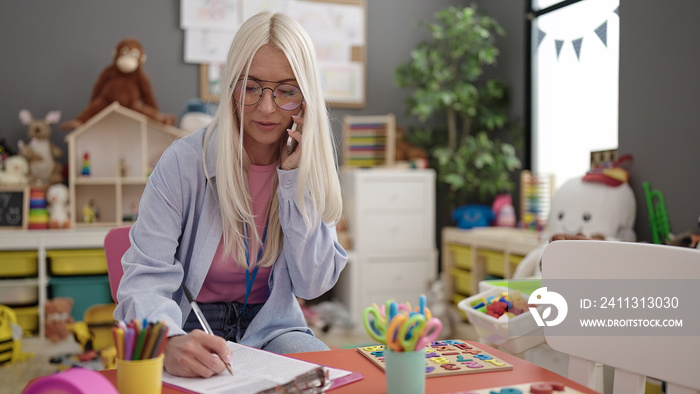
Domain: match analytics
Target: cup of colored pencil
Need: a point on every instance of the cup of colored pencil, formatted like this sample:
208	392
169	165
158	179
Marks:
139	340
140	348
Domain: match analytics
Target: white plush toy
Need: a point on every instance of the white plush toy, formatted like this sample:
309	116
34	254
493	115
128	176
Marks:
57	199
42	154
593	209
16	171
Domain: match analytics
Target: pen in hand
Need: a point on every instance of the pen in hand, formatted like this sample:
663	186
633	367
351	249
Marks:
202	320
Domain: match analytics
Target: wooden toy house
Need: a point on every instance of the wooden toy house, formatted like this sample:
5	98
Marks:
109	159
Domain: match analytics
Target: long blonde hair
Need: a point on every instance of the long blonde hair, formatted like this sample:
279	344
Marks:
318	185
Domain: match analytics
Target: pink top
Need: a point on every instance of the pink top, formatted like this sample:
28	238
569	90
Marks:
225	281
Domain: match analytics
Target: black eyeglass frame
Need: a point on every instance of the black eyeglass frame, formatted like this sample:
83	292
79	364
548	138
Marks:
272	91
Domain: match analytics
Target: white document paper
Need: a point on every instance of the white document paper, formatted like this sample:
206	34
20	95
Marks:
254	370
207	46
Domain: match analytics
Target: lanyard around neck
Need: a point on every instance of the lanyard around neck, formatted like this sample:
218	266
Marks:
250	278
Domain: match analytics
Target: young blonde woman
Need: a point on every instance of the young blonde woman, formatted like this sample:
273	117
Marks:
238	214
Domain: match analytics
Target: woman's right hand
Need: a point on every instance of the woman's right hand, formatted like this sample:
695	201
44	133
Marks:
194	355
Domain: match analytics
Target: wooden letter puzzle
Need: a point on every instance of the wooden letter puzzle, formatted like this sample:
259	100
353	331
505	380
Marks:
447	357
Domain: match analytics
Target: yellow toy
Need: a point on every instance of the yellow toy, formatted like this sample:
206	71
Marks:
10	338
108	357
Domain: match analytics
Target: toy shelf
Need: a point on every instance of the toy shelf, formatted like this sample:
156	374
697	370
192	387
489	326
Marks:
110	159
470	256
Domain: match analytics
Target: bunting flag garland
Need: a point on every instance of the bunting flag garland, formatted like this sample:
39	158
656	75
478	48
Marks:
602	32
540	37
559	44
577	47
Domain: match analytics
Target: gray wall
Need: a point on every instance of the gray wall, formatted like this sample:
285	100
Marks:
53	51
659	97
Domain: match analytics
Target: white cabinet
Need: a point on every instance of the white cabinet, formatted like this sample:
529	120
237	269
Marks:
390	214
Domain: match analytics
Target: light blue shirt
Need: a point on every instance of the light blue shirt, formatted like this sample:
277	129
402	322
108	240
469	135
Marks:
179	228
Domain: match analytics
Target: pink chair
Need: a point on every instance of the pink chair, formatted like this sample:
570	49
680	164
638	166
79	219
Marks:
116	244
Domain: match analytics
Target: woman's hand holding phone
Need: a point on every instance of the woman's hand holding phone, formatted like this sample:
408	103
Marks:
291	142
292	152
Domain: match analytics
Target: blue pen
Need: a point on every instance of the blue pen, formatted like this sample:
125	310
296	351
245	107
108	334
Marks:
421	302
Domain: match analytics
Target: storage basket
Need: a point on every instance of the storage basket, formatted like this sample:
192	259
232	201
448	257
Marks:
77	262
515	335
17	264
84	290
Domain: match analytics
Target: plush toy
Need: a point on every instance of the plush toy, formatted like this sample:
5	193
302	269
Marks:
473	215
44	169
504	210
57	198
584	208
5	152
58	318
406	152
686	240
197	114
126	82
16	171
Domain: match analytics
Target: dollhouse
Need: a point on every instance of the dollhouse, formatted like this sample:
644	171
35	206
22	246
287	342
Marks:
110	158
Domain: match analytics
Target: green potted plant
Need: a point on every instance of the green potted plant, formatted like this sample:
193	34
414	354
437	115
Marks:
447	78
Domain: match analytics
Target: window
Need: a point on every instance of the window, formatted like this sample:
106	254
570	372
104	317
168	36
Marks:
574	87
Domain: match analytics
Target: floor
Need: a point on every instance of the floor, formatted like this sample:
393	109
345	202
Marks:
14	378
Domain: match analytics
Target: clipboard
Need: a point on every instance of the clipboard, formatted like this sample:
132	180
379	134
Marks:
312	382
259	371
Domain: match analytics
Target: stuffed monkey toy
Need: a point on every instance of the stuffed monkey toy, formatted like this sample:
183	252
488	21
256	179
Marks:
126	82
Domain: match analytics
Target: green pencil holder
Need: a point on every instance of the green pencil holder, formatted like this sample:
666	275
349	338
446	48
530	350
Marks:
405	372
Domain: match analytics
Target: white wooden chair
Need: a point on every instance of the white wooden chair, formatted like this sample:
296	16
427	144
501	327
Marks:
673	359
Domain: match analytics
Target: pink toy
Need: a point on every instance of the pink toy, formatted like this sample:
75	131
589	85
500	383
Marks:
503	209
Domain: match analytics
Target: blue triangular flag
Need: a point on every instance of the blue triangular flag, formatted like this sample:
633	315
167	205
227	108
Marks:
617	11
577	47
558	44
540	37
602	32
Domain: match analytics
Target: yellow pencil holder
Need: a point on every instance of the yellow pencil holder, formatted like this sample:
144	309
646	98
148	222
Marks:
140	376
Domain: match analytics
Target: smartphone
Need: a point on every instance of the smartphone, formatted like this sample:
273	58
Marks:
291	142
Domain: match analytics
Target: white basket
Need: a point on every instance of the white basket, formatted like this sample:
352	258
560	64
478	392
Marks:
524	332
19	292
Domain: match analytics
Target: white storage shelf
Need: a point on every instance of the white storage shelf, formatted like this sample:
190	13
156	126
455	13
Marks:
40	241
390	214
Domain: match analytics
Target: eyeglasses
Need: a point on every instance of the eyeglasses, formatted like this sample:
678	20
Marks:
287	97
